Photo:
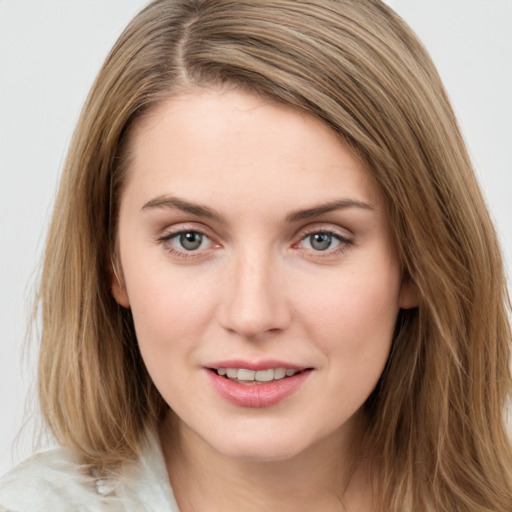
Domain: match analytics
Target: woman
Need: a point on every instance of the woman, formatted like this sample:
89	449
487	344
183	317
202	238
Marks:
271	279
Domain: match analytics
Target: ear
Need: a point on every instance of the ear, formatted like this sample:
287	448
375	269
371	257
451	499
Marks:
409	294
117	286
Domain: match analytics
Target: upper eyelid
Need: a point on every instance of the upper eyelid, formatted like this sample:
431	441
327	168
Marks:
342	239
170	232
342	232
330	231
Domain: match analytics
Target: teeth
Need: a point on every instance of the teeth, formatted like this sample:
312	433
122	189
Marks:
265	375
232	373
245	374
268	375
279	373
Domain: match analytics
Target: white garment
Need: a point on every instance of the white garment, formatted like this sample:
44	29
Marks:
52	481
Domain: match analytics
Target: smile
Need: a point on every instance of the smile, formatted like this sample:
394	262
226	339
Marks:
263	385
243	375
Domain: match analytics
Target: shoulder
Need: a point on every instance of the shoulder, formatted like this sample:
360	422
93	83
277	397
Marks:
53	481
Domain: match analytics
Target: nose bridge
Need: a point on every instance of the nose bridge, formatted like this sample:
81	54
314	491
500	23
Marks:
254	303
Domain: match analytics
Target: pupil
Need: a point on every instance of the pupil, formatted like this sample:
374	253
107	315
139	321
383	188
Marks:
321	241
191	240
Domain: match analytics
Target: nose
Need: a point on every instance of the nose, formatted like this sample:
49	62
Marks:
254	304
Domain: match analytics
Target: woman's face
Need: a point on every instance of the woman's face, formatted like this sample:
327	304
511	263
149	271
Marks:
256	257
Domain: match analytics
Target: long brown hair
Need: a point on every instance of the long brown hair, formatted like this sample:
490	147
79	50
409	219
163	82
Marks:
436	427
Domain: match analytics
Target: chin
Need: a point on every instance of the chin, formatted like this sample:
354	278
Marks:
260	446
260	452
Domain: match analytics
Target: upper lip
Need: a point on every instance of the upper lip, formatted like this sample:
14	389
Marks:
264	364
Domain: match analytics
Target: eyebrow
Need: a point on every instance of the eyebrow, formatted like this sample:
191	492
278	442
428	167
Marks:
322	209
185	206
294	216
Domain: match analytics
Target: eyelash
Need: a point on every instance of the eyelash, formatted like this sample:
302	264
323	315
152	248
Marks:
166	241
344	242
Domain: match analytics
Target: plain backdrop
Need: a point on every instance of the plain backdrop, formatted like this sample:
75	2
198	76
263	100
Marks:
50	52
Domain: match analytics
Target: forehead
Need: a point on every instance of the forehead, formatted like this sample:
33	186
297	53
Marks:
213	144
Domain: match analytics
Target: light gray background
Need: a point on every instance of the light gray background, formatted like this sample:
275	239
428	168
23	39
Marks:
50	52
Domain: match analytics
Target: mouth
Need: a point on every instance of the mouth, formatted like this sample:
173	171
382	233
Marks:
256	384
251	377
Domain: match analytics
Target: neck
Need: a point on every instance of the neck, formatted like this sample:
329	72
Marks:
324	477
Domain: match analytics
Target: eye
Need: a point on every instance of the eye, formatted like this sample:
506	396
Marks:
190	240
324	241
320	241
186	242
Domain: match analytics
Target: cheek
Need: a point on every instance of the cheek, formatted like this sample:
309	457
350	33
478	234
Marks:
168	312
169	319
357	339
354	317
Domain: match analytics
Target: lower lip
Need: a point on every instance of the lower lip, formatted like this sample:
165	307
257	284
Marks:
259	395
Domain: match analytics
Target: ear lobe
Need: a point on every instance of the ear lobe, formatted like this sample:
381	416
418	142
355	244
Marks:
118	288
409	295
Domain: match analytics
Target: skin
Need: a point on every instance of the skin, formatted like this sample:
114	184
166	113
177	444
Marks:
257	288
